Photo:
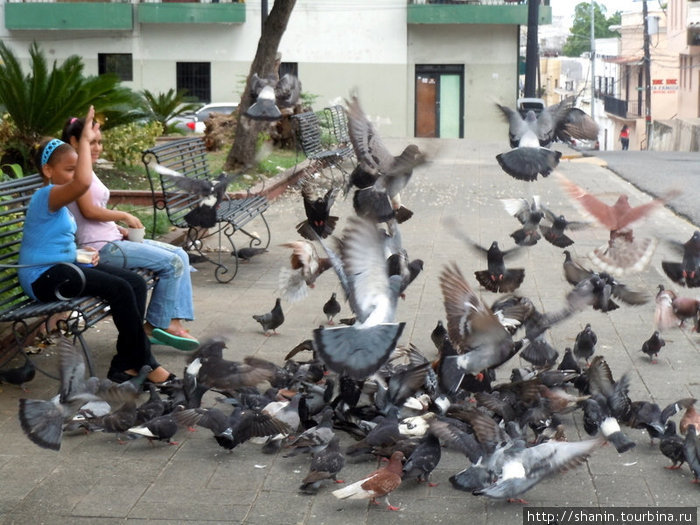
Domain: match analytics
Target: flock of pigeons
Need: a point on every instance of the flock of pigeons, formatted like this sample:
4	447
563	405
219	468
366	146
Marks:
394	401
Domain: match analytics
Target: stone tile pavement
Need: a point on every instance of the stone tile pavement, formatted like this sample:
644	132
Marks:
93	479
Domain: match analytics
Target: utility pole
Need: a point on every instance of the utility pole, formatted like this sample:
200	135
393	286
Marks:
593	60
647	74
531	53
263	13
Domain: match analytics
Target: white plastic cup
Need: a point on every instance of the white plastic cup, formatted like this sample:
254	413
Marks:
136	234
84	256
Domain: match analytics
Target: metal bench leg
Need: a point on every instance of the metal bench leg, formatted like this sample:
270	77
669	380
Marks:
19	327
222	273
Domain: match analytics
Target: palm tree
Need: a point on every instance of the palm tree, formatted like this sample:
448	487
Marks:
162	107
40	101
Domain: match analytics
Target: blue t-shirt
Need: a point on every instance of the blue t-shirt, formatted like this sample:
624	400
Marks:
49	237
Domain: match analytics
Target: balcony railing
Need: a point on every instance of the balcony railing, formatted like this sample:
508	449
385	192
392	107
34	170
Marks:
615	106
509	12
478	2
118	14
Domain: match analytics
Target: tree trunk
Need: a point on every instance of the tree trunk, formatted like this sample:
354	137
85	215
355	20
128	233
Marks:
243	150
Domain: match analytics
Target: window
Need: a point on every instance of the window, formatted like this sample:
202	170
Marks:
119	63
195	77
569	85
289	67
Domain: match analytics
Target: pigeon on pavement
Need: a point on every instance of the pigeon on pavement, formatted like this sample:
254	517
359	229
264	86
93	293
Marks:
652	346
379	483
272	319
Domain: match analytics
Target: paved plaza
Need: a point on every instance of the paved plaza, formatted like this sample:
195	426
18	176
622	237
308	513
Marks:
93	479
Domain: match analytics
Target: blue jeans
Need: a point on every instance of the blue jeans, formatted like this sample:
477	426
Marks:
172	295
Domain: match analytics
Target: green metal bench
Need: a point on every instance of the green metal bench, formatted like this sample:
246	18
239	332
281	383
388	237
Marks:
188	157
17	308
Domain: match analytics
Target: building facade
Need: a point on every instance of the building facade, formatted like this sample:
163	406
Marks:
421	69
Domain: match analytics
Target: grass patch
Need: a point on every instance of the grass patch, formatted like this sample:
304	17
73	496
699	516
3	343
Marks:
135	178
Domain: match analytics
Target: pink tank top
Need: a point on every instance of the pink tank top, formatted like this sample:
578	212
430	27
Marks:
91	232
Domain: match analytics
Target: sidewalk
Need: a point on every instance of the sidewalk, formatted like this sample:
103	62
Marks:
95	480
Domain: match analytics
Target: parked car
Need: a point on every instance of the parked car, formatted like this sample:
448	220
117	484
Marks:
196	123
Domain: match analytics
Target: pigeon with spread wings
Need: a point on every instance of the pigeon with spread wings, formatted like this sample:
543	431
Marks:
623	252
318	213
391	173
496	278
211	193
361	349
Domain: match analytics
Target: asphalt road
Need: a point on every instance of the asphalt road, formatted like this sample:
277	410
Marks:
658	172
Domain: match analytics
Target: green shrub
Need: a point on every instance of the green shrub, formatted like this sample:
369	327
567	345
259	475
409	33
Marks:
124	144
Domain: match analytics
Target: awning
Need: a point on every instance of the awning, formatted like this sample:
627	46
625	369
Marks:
626	60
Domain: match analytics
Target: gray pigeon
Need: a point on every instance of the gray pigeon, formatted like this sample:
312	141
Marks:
686	272
325	464
529	466
42	421
331	308
472	326
272	319
269	95
391	174
361	349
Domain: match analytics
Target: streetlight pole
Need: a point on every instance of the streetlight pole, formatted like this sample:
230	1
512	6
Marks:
647	75
531	52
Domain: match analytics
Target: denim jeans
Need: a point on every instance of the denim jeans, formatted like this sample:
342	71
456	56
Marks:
172	295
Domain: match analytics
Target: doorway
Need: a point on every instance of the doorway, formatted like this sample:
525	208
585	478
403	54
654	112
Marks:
439	110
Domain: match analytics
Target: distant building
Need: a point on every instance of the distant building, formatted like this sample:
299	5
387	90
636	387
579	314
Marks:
421	68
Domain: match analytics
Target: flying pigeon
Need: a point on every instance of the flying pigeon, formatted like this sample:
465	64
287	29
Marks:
318	217
472	326
496	278
269	95
622	253
379	483
359	350
597	289
554	232
272	319
529	137
42	421
210	194
391	173
687	272
526	468
305	267
529	214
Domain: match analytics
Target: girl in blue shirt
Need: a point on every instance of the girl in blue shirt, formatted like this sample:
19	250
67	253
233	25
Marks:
49	238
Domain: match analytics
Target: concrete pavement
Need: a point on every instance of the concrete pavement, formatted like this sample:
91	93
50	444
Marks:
95	480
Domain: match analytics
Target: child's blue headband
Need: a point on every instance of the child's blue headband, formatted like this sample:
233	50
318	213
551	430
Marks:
49	149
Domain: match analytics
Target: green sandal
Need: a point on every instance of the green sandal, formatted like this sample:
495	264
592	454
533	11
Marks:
186	344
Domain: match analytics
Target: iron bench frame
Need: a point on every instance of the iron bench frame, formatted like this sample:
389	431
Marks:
16	306
188	157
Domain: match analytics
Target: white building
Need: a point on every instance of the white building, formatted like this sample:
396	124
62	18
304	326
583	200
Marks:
423	69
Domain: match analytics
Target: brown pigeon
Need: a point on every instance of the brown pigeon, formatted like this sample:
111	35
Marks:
622	253
379	483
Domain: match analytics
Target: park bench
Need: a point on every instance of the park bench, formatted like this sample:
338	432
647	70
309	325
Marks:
189	158
24	314
307	130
